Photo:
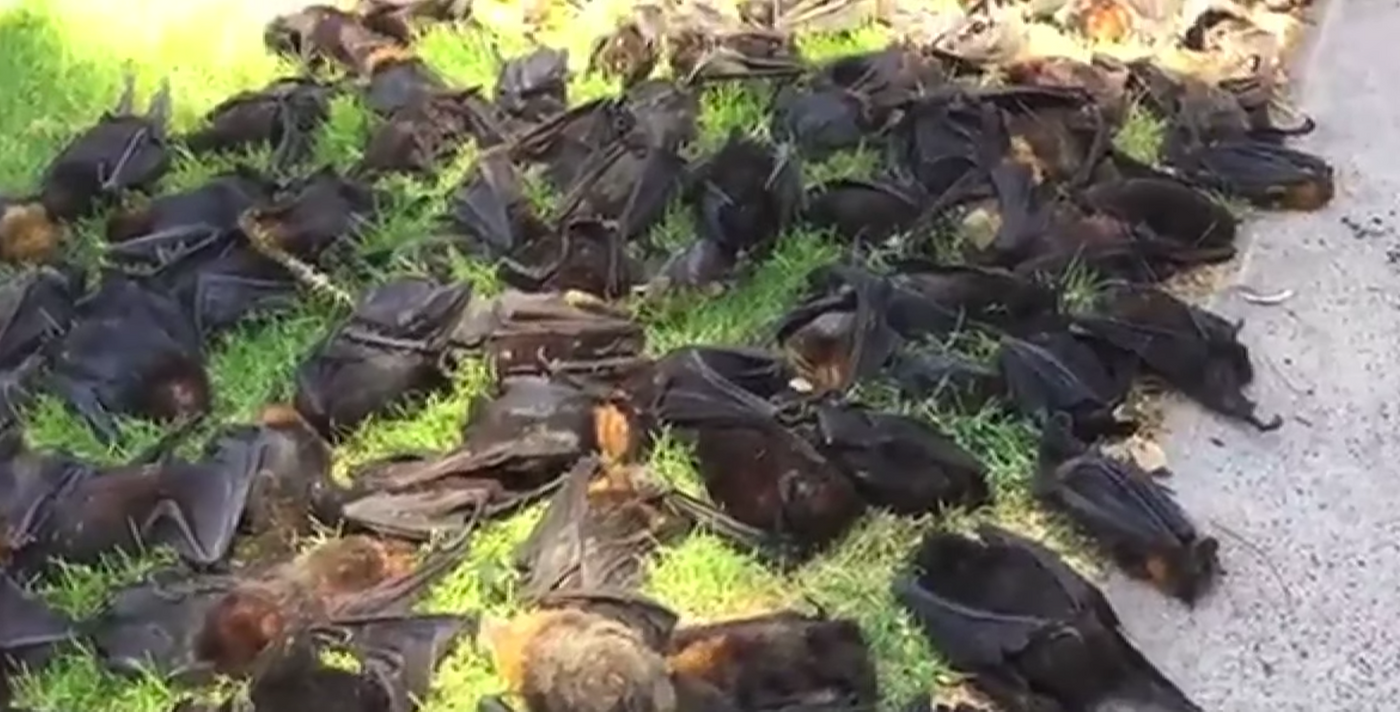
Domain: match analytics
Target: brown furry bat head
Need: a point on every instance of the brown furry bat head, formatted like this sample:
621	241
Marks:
239	628
28	234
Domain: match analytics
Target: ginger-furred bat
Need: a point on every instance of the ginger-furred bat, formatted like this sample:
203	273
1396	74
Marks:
782	660
573	658
188	627
29	234
1030	632
1127	511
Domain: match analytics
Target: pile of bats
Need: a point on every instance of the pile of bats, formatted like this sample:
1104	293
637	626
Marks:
789	454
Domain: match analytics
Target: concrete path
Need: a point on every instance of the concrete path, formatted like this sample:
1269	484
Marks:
1308	616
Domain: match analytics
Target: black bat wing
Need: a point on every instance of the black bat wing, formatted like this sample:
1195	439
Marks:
659	180
554	552
206	502
28	628
1121	505
154	625
402	653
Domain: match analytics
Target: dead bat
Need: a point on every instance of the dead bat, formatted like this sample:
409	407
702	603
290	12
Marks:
1059	132
124	151
886	79
396	656
822	121
1126	510
897	462
936	299
131	351
582	254
1030	632
597	532
746	194
940	140
214	207
400	18
514	449
629	185
783	660
61	508
840	333
576	656
36	307
30	632
947	378
1059	372
391	349
1103	78
1264	173
705	49
534	86
702	266
758	469
29	234
322	34
1169	208
285	116
309	215
632	50
833	16
278	478
865	212
491	210
188	627
398	81
1193	350
419	136
665	114
563	143
552	333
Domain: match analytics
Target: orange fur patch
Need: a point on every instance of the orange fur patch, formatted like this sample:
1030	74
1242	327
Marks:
28	234
280	415
1107	22
387	54
510	642
703	659
613	432
1158	571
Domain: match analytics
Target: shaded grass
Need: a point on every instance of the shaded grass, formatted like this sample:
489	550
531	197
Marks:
66	60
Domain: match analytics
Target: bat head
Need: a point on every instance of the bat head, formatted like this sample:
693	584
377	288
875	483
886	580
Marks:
239	628
175	391
129	223
983	38
1188	573
354	564
1106	21
28	233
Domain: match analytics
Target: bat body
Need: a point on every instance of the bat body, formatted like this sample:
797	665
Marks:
597	532
131	351
188	627
124	151
760	471
418	136
322	34
1264	173
283	116
897	462
1059	372
36	306
514	448
947	378
214	206
745	195
308	215
864	211
398	81
584	255
1171	209
1127	511
1031	633
821	121
1195	351
781	660
534	86
390	349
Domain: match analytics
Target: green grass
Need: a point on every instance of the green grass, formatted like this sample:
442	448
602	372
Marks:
65	59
